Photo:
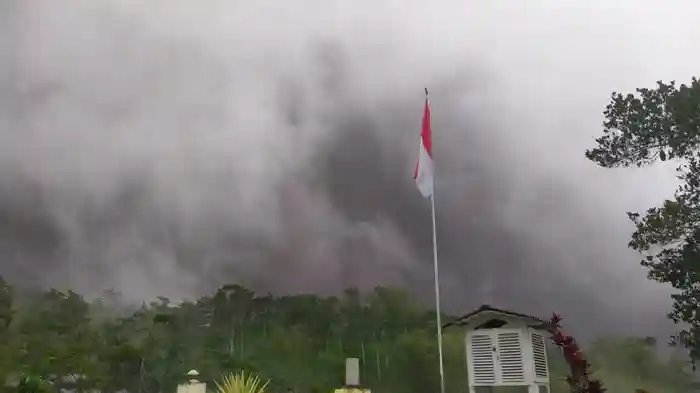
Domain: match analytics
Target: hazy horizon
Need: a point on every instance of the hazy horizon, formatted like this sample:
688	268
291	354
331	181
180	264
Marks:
170	147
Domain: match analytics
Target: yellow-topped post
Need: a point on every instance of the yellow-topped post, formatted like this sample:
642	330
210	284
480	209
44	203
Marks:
352	378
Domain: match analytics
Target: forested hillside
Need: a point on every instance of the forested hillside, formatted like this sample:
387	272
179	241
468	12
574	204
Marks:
298	342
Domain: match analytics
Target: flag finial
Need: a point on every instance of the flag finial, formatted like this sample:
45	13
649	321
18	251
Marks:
426	91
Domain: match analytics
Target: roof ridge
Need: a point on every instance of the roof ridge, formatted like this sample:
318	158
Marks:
486	308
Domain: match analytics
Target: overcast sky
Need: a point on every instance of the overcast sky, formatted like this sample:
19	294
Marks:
170	146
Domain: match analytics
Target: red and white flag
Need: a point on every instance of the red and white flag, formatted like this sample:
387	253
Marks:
423	174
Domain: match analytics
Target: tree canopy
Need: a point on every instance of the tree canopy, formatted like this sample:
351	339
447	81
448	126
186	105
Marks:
61	339
652	125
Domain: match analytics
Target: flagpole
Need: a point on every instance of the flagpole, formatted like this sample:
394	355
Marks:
436	273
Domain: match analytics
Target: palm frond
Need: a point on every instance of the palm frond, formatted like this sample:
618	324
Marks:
241	382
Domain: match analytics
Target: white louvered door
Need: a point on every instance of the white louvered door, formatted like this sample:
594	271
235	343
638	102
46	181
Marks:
497	357
482	370
510	367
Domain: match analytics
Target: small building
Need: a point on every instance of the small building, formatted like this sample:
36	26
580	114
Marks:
504	349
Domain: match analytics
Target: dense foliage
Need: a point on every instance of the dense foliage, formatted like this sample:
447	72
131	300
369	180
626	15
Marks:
297	342
639	129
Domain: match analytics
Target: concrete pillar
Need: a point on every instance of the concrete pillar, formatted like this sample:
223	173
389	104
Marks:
352	372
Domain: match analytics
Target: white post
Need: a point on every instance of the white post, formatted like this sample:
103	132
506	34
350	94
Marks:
352	372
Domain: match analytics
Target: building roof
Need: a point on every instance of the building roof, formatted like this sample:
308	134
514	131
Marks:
463	320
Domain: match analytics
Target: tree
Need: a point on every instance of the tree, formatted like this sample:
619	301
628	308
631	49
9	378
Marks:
57	339
5	305
630	355
6	314
298	342
579	378
639	129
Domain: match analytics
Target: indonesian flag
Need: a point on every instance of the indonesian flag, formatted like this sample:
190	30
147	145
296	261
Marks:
423	174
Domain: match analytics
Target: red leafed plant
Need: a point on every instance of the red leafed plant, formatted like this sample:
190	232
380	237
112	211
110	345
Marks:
579	380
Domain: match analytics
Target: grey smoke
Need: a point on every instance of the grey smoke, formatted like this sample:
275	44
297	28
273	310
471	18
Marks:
165	148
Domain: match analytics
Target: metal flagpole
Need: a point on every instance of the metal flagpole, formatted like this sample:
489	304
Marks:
438	317
437	298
